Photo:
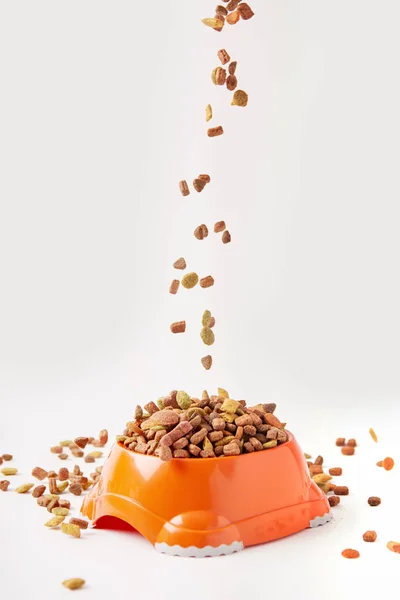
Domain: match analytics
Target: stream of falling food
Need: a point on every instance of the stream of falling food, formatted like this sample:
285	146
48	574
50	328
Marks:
231	13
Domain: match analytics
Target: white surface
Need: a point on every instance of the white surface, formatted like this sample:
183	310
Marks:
101	114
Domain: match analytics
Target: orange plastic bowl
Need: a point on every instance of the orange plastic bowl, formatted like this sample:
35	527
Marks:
208	507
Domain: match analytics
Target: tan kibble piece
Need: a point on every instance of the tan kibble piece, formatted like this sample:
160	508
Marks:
373	434
369	536
215	131
82	524
206	361
231	82
201	232
223	55
9	471
207	281
96	454
321	478
56	449
232	67
62	487
65	443
4	485
226	237
206	318
81	442
25	487
245	11
70	529
209	112
173	288
184	188
393	547
164	453
54	522
63	456
59	511
219	226
190	280
216	23
240	98
207	335
180	264
178	327
74	584
233	17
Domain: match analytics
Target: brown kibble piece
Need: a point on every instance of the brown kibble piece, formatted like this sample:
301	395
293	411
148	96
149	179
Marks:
75	488
215	131
232	5
374	501
173	288
220	76
7	457
223	55
82	524
211	323
56	449
77	453
226	237
373	434
164	453
232	67
81	442
333	500
341	490
204	177
39	473
199	185
63	456
180	264
74	583
319	460
184	188
349	553
190	280
221	10
201	232
231	82
38	491
219	226
245	11
233	17
70	529
369	536
207	281
53	489
206	361
64	503
4	483
178	327
209	114
340	442
315	469
348	450
89	459
352	442
388	463
335	471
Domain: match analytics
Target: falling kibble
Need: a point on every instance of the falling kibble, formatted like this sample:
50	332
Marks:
74	584
207	335
350	553
180	264
207	282
373	434
25	487
184	188
190	280
206	361
70	529
209	112
215	131
223	55
216	23
173	288
226	237
178	327
240	98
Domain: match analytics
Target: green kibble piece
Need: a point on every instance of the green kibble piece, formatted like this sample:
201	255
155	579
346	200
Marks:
270	444
207	335
190	280
206	318
160	403
183	399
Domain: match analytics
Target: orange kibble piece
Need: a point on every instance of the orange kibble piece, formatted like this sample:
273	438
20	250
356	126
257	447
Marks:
352	442
373	434
348	450
350	553
388	463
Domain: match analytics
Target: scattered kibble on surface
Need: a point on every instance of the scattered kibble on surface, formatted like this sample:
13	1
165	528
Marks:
350	553
190	280
240	98
178	327
74	584
206	361
369	536
374	501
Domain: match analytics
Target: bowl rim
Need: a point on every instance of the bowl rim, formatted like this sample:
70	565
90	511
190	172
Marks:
195	459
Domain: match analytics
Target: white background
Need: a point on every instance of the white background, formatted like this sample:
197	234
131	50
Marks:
101	114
